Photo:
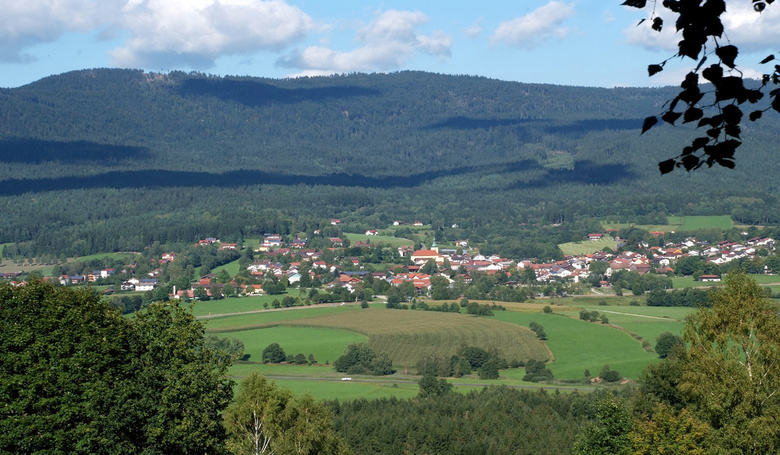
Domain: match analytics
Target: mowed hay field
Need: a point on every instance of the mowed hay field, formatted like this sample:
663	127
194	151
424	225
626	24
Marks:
407	336
587	246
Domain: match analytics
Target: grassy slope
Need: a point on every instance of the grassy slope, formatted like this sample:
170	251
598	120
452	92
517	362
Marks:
681	223
587	246
407	336
325	344
231	267
579	345
376	239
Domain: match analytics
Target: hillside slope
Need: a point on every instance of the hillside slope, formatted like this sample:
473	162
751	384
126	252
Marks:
119	158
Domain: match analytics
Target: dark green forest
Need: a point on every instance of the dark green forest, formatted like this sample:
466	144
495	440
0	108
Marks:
115	160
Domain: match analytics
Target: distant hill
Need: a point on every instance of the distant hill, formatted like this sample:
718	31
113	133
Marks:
115	159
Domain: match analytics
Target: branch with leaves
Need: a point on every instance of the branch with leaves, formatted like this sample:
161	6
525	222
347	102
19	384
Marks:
716	108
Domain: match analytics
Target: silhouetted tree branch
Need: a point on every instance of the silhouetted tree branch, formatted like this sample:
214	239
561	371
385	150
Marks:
716	108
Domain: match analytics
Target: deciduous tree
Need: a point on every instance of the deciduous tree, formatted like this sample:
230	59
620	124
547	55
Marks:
79	378
732	376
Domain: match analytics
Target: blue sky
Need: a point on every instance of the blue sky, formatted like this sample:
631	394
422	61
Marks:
582	42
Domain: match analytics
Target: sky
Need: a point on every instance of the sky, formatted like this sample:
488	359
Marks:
579	42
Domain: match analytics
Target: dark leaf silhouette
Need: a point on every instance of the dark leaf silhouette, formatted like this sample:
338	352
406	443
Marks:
654	69
692	114
666	166
671	117
649	123
713	73
658	24
727	54
635	3
700	26
690	162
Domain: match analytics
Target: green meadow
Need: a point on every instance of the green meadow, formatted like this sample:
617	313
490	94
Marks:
681	223
689	282
231	267
377	239
324	344
578	345
587	246
270	317
573	346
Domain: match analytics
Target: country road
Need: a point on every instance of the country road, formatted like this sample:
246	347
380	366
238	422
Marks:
407	381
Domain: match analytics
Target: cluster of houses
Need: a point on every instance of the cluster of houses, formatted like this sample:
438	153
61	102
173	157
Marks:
573	268
645	259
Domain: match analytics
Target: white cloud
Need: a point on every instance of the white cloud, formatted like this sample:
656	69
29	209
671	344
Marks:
24	23
536	27
748	30
386	43
170	33
643	36
161	33
473	31
751	31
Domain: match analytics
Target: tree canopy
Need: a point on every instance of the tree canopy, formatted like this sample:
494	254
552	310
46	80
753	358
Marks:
265	418
80	378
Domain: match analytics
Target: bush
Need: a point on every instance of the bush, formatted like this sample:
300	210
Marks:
300	359
547	309
666	342
590	316
609	375
363	304
537	371
489	370
273	353
361	359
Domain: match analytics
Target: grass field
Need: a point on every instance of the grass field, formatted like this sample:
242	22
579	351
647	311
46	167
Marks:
407	336
681	223
377	239
324	344
233	305
231	267
46	270
690	223
329	386
587	246
270	317
579	345
688	281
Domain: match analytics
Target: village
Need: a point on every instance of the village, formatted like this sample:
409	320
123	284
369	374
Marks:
283	263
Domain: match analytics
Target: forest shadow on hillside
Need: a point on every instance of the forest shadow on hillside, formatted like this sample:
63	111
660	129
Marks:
577	128
255	94
470	123
585	172
34	151
581	127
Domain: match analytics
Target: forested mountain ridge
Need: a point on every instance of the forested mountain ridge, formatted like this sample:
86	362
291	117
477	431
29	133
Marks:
114	159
